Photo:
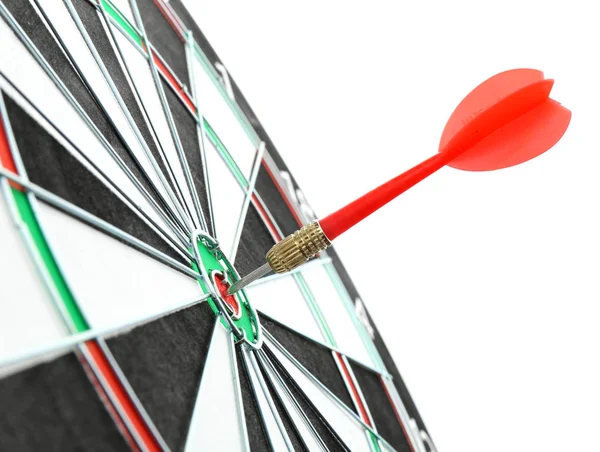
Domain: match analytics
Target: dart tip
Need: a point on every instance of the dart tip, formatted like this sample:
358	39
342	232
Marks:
249	278
289	253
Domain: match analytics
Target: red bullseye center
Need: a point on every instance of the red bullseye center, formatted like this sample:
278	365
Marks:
230	300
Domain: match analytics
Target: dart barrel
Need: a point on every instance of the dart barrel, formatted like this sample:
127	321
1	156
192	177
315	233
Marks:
297	248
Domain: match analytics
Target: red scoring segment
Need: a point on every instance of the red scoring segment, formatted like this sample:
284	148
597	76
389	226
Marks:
505	121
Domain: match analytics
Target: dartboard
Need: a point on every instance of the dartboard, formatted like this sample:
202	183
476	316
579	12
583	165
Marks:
137	186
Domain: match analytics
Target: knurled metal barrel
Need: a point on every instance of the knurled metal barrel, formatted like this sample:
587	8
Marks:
297	248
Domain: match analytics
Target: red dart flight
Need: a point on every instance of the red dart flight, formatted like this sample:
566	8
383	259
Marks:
506	120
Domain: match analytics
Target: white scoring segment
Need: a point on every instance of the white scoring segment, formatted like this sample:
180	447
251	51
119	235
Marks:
29	318
227	198
282	300
222	119
218	412
112	283
337	314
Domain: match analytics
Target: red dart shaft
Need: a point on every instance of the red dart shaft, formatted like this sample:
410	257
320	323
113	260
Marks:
340	221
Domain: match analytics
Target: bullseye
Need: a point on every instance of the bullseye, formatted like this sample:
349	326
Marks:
216	274
230	301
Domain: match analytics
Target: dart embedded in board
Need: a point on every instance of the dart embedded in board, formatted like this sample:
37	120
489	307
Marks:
507	120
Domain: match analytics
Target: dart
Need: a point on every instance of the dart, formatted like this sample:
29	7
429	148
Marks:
506	120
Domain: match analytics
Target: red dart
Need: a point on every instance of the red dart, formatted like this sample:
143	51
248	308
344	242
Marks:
506	120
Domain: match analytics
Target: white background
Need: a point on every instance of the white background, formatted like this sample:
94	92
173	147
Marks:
484	285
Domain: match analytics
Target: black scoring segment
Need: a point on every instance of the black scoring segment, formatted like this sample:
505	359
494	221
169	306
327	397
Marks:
316	358
254	243
380	406
49	165
275	202
170	46
53	406
163	362
257	432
